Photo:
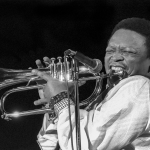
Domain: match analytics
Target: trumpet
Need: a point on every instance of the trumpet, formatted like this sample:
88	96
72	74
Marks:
9	77
63	71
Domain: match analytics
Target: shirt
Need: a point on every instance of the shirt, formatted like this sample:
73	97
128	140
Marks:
120	120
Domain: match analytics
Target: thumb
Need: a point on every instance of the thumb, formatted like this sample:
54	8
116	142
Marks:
41	101
41	74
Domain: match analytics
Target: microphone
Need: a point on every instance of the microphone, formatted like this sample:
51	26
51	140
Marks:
95	65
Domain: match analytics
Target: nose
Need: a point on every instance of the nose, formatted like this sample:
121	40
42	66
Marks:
117	57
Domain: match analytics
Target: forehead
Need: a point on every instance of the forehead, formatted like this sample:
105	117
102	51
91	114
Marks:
127	38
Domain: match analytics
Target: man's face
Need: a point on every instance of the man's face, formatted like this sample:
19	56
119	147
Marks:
127	51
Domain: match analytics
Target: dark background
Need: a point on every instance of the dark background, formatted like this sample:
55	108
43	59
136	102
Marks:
32	29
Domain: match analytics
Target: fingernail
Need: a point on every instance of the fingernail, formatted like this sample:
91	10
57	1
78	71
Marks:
35	103
34	71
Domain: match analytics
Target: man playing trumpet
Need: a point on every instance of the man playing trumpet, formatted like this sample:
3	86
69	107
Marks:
122	119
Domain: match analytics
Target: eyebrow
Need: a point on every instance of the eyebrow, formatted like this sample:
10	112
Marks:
115	45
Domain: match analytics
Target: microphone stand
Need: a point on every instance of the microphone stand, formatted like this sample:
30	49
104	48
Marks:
76	97
75	69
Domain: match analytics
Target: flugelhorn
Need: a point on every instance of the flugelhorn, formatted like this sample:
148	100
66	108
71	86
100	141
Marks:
59	70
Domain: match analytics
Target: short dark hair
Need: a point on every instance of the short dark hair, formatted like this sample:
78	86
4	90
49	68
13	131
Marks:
139	25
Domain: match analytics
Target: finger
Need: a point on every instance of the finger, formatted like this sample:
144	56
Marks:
80	83
47	61
39	63
41	74
40	101
41	92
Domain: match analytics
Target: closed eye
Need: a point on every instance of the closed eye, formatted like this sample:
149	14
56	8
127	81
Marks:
132	52
110	50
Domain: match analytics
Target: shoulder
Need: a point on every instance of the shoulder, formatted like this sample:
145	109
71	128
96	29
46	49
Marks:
135	87
131	87
136	81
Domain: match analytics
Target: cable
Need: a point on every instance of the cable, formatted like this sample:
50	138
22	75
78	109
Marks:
69	111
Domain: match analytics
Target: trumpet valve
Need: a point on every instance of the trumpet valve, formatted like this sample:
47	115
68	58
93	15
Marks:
53	68
67	73
60	69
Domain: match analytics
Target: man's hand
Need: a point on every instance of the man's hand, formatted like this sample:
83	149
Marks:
52	88
39	64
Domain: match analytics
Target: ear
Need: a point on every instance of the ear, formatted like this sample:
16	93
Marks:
148	68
